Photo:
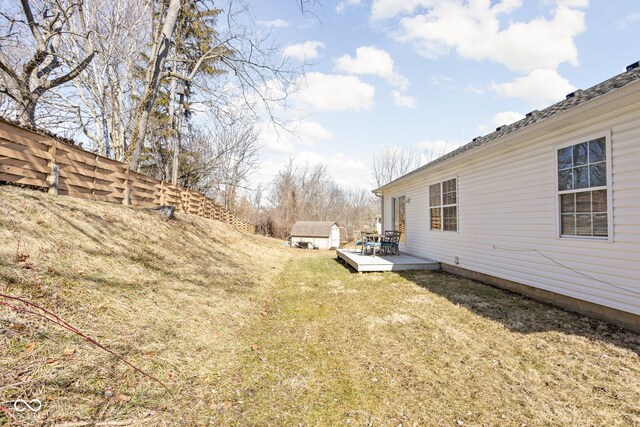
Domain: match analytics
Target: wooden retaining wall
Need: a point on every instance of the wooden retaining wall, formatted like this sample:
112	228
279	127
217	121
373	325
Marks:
28	157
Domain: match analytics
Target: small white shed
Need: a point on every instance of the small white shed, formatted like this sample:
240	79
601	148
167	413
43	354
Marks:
323	234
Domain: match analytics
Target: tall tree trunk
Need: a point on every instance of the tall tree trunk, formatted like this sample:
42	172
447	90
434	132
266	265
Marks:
27	112
161	50
172	122
177	135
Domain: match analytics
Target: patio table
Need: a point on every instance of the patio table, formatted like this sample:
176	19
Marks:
373	241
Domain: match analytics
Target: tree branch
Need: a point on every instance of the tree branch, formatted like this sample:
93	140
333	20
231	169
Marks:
67	77
6	67
33	26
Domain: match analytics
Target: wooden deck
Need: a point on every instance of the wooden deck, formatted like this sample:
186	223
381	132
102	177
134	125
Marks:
384	263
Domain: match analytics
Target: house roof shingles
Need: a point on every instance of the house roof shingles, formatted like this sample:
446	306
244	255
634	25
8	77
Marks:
312	228
572	100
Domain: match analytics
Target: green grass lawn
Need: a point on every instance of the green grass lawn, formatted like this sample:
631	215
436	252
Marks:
330	347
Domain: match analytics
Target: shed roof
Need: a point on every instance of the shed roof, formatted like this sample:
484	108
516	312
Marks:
312	228
572	100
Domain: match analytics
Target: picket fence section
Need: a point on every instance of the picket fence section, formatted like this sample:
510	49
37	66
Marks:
31	158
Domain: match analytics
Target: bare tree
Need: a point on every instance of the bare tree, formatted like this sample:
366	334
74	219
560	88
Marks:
285	200
200	162
362	207
308	193
196	52
244	55
215	162
26	77
159	52
238	146
239	74
101	103
393	162
250	205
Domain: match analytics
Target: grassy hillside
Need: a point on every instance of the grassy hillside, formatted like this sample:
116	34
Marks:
171	296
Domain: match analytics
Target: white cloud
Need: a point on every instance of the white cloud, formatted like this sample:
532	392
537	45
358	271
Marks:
539	88
269	168
343	4
401	100
334	92
506	118
573	3
372	61
347	171
275	140
500	119
472	29
384	9
297	133
441	81
303	51
628	21
277	144
311	132
432	149
276	23
474	89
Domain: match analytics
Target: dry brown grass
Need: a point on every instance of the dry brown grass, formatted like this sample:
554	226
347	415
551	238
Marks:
247	332
171	296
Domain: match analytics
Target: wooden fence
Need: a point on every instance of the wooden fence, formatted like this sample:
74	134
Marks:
28	157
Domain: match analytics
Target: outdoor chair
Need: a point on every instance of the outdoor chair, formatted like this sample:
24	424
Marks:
359	239
391	242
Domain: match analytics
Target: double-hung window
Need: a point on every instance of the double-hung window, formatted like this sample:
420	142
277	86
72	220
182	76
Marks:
443	205
583	189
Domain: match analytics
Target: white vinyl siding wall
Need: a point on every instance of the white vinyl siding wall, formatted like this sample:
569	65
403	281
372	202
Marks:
507	210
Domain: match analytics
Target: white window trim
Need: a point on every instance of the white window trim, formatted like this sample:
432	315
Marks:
395	199
382	216
457	205
609	187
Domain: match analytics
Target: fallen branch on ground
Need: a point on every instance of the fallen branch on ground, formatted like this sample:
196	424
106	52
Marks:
48	315
7	413
41	312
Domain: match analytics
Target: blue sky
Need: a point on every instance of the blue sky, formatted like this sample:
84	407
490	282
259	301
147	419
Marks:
432	74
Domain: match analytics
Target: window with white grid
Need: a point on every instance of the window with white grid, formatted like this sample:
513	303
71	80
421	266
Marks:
443	205
583	189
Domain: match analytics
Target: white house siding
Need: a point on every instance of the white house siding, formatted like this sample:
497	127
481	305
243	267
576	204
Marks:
507	210
386	212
